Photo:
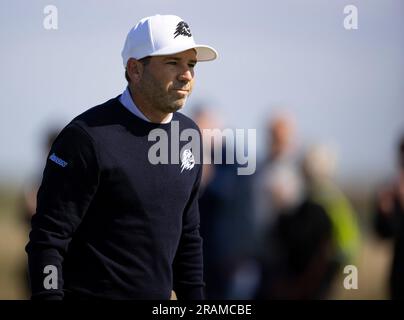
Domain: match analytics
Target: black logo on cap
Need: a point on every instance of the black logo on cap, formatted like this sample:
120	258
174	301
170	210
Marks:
182	29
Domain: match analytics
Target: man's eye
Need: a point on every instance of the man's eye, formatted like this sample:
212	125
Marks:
173	63
191	65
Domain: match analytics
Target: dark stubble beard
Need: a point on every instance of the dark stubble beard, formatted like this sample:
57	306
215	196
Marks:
157	96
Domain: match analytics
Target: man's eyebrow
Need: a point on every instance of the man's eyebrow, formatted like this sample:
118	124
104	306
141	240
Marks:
172	58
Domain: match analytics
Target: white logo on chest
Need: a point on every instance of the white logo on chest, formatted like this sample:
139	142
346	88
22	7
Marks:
187	160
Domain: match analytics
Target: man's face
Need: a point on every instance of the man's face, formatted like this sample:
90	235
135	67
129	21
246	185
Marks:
167	81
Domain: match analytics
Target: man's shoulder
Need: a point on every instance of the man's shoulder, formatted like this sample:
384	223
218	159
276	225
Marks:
92	121
98	115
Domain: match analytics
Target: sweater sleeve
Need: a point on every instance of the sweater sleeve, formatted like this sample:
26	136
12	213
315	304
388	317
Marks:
70	180
188	262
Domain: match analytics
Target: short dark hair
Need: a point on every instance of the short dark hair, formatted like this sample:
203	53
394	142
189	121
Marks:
145	61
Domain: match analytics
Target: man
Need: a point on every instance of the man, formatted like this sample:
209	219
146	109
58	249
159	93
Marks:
109	223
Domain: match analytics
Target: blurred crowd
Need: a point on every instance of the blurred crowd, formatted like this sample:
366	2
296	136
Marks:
282	233
286	231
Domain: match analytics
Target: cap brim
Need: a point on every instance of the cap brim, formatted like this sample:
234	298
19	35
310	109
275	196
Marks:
203	52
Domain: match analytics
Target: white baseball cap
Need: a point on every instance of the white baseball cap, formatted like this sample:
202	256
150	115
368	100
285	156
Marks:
163	35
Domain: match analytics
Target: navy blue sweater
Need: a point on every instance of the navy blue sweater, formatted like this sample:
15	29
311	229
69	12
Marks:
114	225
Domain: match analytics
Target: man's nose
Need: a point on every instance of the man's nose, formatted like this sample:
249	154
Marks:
186	75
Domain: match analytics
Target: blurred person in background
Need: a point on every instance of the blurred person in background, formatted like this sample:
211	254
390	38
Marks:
319	167
271	190
389	223
294	253
313	228
225	211
293	235
322	234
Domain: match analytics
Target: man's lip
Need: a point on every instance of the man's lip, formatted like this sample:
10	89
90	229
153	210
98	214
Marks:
181	90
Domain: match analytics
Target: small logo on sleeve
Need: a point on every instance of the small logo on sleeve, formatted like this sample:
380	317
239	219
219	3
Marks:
187	160
53	157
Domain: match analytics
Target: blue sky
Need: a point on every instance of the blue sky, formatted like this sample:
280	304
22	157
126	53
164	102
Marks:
344	87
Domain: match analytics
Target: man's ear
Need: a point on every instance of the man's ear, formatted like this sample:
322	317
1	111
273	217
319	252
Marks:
134	69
